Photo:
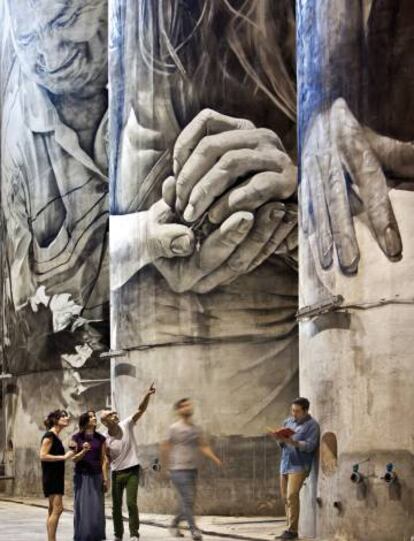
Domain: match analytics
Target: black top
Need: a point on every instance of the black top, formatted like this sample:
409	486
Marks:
53	472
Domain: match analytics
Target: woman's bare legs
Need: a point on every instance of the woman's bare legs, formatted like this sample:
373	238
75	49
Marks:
54	512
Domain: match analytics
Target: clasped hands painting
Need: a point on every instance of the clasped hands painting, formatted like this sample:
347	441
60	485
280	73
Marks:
158	158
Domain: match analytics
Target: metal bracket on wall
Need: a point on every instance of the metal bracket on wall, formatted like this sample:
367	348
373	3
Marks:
323	307
94	380
113	353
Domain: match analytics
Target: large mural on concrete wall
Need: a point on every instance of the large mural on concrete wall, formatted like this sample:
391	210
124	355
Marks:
356	104
54	202
203	227
356	113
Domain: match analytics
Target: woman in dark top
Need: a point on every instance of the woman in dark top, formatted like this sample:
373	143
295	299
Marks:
90	481
53	456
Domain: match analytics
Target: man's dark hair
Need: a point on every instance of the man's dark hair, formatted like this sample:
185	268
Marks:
302	402
180	402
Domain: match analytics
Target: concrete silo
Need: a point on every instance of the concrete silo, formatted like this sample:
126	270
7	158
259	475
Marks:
356	105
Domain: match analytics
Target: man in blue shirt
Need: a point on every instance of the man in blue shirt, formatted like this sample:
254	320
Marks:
298	452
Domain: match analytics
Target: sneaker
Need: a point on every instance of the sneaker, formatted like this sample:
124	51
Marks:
175	531
282	535
135	538
196	535
288	534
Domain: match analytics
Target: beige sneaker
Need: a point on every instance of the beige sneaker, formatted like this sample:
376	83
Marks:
175	531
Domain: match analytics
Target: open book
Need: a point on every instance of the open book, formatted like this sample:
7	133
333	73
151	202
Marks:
281	432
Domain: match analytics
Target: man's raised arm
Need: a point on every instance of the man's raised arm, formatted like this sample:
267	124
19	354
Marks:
144	404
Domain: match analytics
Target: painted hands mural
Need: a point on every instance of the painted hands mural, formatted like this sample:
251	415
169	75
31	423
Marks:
203	226
354	152
205	177
219	215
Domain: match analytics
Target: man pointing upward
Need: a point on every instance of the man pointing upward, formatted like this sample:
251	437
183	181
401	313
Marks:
124	457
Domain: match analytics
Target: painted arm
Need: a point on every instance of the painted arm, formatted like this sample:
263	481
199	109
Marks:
140	238
330	46
15	209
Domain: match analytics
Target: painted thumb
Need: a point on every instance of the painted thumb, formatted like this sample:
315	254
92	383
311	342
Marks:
178	240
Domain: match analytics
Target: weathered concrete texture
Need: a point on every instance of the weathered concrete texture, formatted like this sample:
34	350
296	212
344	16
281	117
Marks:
28	400
356	369
24	523
248	483
228	341
356	78
242	528
235	400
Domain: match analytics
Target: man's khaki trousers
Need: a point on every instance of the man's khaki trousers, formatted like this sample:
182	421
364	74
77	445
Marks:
290	485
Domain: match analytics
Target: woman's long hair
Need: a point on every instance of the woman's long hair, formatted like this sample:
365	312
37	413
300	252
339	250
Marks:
217	43
53	418
84	420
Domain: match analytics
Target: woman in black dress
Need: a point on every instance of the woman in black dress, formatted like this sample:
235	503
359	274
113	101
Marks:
53	457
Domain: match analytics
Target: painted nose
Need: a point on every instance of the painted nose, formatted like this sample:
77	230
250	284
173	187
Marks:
53	55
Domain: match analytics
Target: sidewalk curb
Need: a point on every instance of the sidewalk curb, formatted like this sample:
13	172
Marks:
146	522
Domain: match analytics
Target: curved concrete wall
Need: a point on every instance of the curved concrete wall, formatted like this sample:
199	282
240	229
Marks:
53	222
356	242
214	322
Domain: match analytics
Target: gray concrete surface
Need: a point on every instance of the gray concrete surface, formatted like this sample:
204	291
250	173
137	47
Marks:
27	523
24	520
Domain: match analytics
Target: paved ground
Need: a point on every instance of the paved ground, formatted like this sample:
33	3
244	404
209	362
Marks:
243	528
27	523
24	520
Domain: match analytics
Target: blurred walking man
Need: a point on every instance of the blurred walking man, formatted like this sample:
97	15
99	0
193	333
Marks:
181	453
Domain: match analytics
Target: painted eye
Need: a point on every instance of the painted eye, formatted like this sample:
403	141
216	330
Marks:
25	39
66	20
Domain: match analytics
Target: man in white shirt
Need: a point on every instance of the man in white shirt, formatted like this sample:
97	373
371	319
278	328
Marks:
124	458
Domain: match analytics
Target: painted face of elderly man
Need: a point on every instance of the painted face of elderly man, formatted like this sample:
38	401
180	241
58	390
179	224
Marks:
61	44
54	158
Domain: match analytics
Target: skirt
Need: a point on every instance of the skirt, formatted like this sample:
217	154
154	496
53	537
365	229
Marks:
53	488
89	508
53	482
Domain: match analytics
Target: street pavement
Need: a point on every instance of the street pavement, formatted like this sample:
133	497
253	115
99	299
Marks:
25	521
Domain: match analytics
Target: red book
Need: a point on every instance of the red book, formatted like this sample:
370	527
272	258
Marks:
283	432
